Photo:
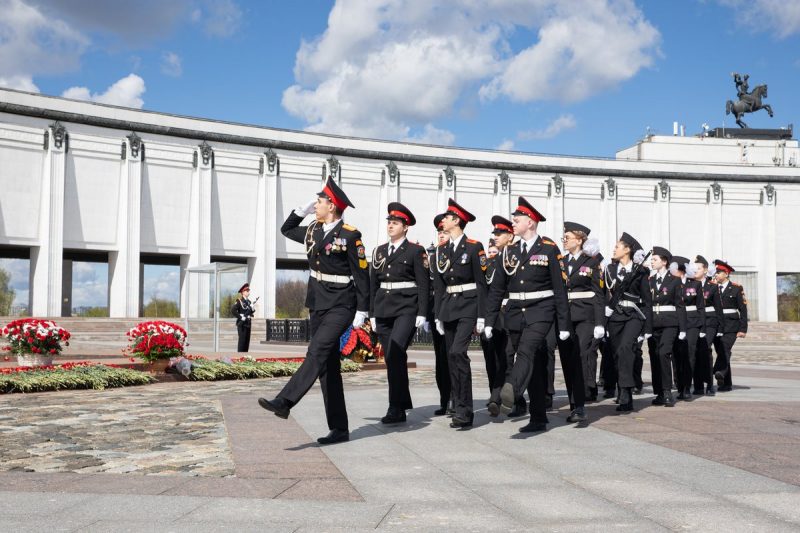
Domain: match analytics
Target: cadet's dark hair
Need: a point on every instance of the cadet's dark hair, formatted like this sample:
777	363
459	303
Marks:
580	235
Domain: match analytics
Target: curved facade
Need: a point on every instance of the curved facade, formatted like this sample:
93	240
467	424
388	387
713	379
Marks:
77	176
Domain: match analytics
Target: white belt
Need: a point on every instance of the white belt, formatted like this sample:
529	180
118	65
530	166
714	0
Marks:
659	308
579	295
691	308
461	288
529	295
398	285
628	303
505	301
710	309
330	278
730	311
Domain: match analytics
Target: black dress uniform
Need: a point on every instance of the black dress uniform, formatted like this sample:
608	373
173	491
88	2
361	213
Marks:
734	321
460	285
399	289
669	318
495	351
534	280
439	345
243	310
630	317
337	288
703	377
586	307
686	350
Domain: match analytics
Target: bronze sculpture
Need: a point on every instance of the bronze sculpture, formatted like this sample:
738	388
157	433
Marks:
748	102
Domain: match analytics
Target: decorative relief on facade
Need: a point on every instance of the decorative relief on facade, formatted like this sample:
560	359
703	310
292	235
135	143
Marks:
136	144
504	180
272	160
450	176
394	172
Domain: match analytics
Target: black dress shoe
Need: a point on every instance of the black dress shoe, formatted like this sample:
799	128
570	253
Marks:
577	415
440	411
698	392
720	377
507	398
711	391
533	427
669	399
279	406
658	400
493	409
394	416
725	388
681	395
460	422
518	410
637	391
336	435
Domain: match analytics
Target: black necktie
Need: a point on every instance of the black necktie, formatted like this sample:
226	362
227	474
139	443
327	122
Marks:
623	273
391	249
659	281
451	248
524	249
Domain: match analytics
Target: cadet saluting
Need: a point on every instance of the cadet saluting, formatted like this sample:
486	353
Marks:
532	275
399	286
338	295
734	324
460	304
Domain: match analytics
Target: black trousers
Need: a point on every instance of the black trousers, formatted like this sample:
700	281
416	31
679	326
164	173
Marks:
244	336
323	361
608	367
704	362
724	346
395	334
571	366
442	367
685	358
530	366
494	353
457	334
660	346
582	342
622	338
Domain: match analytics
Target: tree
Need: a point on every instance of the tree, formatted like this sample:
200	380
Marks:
225	304
160	308
290	299
6	294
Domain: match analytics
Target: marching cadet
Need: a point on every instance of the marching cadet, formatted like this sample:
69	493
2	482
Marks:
533	277
243	310
337	297
734	324
694	303
399	288
669	323
460	304
494	348
629	312
713	310
586	306
439	347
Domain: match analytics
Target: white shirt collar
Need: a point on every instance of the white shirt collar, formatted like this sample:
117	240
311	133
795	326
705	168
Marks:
329	226
529	243
626	268
397	244
456	241
724	286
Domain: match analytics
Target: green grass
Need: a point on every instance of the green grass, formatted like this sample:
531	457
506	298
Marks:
68	377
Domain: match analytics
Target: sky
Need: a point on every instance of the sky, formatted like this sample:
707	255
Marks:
578	77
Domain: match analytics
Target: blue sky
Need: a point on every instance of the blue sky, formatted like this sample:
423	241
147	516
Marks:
583	77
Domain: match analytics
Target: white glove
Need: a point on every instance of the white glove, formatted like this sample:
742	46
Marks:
647	336
308	208
563	335
439	327
599	332
702	335
609	311
419	321
720	334
426	327
359	319
640	338
479	324
374	324
487	332
682	336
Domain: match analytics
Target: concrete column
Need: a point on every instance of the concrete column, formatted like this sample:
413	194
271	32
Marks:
554	226
123	265
712	238
767	258
261	268
47	258
195	300
660	233
607	232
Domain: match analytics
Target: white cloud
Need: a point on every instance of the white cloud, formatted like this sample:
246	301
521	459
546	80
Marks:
779	16
562	123
162	282
224	18
432	135
126	92
171	64
20	83
385	68
506	145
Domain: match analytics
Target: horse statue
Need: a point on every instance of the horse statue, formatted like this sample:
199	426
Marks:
748	103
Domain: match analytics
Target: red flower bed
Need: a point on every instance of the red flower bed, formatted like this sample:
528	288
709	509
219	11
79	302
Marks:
65	366
32	335
156	339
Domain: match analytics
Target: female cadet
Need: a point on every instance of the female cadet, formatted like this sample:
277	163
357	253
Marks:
629	311
693	301
243	310
399	287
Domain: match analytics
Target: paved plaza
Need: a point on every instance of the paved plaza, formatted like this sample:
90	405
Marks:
205	457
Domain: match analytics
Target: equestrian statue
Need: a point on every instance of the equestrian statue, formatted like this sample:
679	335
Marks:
748	102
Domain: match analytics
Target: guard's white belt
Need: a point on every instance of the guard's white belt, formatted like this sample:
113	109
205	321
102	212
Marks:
579	295
691	308
710	309
389	285
451	289
659	308
731	311
330	278
628	303
536	295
